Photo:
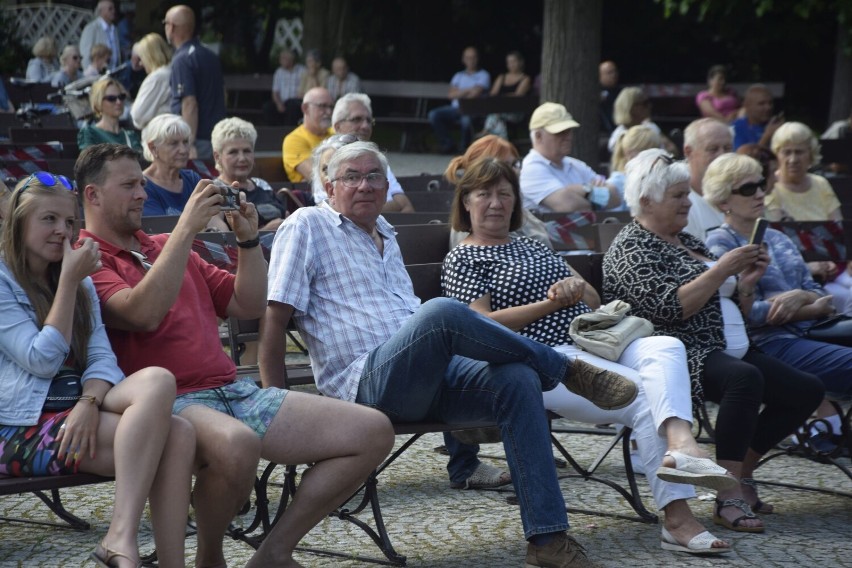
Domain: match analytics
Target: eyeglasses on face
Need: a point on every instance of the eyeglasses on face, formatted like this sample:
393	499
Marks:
353	180
47	179
361	119
750	188
115	98
323	106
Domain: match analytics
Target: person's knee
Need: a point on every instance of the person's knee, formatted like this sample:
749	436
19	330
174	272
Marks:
158	384
377	431
234	454
444	308
182	435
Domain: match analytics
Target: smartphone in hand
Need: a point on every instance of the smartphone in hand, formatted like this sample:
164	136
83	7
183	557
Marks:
758	231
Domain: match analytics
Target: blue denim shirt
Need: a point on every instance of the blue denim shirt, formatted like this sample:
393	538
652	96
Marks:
786	271
30	357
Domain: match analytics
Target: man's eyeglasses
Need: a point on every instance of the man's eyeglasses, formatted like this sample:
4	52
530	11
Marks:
115	98
353	180
47	179
750	188
360	119
323	106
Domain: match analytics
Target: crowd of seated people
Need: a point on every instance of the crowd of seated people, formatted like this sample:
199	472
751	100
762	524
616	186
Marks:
514	289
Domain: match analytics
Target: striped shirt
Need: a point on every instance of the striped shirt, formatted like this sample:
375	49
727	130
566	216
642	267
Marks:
347	299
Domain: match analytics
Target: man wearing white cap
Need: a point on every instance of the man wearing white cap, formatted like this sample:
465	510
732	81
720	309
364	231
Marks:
551	181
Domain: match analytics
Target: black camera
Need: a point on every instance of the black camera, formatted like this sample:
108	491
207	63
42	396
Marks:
230	195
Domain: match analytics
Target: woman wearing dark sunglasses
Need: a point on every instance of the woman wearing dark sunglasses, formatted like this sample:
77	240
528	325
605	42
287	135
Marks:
671	278
120	426
108	98
786	298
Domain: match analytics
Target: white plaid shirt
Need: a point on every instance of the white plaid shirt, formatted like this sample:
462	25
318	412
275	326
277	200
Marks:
348	300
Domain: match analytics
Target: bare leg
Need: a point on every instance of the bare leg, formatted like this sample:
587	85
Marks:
682	524
227	454
345	450
169	495
133	430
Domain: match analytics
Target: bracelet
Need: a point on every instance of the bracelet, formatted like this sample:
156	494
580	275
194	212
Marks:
249	244
91	398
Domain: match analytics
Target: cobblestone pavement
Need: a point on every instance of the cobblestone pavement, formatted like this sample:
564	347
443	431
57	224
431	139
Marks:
438	527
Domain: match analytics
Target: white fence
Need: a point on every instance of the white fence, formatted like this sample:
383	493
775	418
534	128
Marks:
288	34
61	22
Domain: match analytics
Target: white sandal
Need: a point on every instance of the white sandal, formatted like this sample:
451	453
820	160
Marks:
697	471
484	477
702	543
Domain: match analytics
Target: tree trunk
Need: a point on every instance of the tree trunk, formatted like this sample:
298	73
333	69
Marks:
841	91
570	55
314	35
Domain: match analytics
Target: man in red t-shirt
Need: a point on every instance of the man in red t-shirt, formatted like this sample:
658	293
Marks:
160	302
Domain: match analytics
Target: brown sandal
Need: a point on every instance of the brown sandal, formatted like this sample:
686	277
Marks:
104	561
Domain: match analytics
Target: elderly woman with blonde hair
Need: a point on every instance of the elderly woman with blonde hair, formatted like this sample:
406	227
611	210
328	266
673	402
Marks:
69	70
786	298
43	64
233	142
632	107
107	98
802	196
154	96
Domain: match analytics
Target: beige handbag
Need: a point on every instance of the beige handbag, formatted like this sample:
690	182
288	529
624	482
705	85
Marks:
607	331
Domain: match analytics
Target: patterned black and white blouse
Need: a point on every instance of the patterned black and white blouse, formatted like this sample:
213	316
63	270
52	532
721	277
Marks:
646	272
515	274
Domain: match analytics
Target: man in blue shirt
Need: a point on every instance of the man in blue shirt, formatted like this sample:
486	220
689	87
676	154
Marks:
758	125
198	93
468	84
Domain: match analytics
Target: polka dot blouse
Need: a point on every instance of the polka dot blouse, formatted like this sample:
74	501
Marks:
515	274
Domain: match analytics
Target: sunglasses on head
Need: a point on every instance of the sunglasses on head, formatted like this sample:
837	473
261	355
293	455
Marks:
114	98
47	179
750	188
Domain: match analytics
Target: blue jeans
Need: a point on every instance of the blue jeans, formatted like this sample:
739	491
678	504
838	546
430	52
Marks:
450	364
831	363
443	119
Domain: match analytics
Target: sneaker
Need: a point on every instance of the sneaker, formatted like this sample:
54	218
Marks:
605	389
561	552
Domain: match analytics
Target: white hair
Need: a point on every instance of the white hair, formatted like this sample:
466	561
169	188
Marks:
343	104
160	129
648	175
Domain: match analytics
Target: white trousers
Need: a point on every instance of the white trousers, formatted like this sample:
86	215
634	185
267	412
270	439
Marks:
658	366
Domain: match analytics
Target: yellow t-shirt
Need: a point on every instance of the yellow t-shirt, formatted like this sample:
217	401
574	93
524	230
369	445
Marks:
815	204
297	148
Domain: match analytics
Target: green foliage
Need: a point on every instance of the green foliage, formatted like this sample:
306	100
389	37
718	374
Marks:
13	54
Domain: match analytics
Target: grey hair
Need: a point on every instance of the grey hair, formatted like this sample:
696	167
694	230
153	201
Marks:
160	129
334	142
353	151
648	175
341	107
230	129
724	172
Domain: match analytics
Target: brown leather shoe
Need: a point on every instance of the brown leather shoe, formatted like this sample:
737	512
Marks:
605	389
562	552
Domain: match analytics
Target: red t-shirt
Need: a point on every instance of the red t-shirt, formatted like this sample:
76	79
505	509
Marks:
187	341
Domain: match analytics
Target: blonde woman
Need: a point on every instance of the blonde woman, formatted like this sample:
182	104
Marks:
637	138
43	64
120	426
107	99
69	70
154	97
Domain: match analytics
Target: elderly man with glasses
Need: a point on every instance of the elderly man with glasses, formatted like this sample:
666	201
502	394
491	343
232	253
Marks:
353	114
296	149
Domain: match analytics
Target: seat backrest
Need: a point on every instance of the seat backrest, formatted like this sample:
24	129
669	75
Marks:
416	218
430	200
426	279
422	244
